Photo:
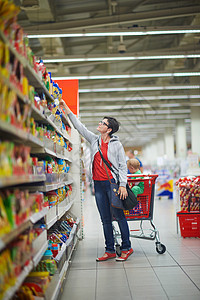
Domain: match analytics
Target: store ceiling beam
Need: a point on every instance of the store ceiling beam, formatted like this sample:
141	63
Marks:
43	12
99	7
134	17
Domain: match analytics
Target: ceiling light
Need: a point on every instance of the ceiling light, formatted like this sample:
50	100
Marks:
139	88
194	104
119	58
142	109
141	98
126	76
140	31
115	107
170	105
131	115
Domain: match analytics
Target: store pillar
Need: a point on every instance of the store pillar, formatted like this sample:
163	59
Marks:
154	150
195	129
169	143
147	152
160	145
181	144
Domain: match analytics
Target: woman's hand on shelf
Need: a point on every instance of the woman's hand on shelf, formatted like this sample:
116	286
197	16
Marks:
64	106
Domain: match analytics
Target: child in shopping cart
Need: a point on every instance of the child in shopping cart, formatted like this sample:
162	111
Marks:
134	168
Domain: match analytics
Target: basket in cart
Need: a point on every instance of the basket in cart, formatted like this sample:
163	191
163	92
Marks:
142	212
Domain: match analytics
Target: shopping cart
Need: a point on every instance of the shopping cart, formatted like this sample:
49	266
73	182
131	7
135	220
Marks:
142	212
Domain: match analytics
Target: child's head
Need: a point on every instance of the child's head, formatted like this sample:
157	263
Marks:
133	165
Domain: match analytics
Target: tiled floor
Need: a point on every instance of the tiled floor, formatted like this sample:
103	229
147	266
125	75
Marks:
174	275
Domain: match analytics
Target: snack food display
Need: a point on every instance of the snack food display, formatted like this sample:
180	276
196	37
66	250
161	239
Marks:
189	188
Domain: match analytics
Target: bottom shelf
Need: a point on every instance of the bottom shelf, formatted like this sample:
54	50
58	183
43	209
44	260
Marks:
9	294
54	287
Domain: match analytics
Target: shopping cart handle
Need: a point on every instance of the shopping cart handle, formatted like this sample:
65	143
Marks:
141	177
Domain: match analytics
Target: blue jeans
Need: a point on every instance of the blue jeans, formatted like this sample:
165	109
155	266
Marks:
106	211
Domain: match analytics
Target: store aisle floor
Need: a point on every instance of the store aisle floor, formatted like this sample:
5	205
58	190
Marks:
174	275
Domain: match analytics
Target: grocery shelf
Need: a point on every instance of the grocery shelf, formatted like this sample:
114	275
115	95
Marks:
11	86
54	125
19	134
34	141
40	245
32	76
51	217
62	209
55	285
38	115
44	151
19	57
38	182
39	215
45	119
7	238
53	186
65	183
22	179
61	252
35	80
65	118
10	293
13	131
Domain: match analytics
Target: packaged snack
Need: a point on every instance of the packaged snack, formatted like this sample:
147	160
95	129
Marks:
5	226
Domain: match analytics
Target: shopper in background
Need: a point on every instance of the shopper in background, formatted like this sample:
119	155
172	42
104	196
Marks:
113	152
131	155
134	168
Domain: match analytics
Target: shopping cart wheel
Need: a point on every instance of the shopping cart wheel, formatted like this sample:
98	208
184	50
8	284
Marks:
160	248
118	249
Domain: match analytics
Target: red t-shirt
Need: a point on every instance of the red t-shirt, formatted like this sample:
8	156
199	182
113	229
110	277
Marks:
98	169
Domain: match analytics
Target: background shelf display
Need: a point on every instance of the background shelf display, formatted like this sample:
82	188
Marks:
22	179
53	289
10	293
33	78
23	134
12	87
7	238
38	216
44	151
40	244
63	207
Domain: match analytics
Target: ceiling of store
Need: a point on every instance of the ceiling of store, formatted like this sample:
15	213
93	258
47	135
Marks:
143	107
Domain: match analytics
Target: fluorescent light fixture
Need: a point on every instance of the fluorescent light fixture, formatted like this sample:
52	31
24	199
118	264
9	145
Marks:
194	104
130	115
126	76
180	111
114	107
138	106
141	98
138	112
170	105
131	32
118	58
139	88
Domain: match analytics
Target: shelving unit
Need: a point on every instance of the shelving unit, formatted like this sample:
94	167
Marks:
35	182
57	281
